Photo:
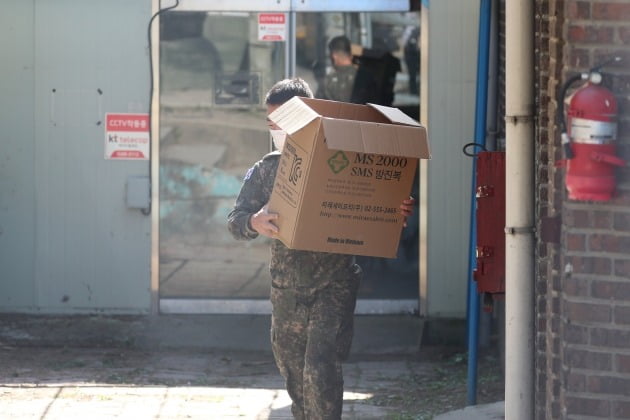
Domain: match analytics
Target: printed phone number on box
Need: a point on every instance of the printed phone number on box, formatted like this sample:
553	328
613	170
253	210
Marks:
353	207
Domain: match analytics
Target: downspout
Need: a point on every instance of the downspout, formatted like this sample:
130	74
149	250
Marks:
481	101
493	71
519	217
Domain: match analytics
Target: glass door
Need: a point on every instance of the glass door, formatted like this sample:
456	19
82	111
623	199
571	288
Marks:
214	72
215	68
385	44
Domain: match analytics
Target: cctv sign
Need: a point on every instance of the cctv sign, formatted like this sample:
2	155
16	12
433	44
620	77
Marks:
127	136
272	27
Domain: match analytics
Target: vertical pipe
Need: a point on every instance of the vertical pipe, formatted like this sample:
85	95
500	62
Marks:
493	72
423	205
485	317
154	106
480	138
519	241
290	46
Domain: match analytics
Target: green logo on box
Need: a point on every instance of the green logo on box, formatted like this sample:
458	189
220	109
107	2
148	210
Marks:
338	162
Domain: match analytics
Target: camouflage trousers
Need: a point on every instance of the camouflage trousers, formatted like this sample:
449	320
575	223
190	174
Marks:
311	335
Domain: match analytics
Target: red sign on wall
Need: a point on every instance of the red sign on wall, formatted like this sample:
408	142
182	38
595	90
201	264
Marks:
272	27
127	136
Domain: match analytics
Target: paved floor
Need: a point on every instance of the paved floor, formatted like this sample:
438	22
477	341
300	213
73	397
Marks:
217	390
186	367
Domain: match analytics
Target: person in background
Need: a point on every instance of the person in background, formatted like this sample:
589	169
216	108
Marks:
346	81
412	59
313	294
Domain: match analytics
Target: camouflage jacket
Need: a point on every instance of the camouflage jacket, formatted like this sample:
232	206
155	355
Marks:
303	270
339	84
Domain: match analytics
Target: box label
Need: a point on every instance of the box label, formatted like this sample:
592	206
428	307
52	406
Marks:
354	182
290	174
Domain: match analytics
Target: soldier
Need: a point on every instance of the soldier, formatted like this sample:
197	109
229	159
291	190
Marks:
346	82
313	294
339	83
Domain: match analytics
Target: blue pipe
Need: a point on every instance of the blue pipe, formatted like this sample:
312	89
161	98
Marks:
472	316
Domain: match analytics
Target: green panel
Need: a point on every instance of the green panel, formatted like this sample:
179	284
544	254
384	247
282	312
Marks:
17	197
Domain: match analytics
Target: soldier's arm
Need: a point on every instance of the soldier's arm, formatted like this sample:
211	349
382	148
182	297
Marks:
249	201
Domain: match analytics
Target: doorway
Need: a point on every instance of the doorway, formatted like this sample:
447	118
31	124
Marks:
215	68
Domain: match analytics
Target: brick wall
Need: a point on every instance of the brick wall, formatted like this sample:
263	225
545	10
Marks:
549	18
583	282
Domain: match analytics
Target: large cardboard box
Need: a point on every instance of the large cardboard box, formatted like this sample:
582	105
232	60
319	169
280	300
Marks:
344	171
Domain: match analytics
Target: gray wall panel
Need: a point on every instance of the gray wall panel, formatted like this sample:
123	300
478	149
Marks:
17	188
97	250
451	82
88	252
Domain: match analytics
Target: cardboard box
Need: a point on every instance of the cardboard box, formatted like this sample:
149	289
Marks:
344	171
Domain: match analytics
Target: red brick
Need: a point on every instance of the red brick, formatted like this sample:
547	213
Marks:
591	265
608	385
556	409
610	337
587	406
575	334
615	290
579	10
555	324
578	219
556	365
622	315
622	268
621	222
576	242
576	286
586	312
591	34
622	363
624	34
580	58
576	382
609	243
602	219
620	81
621	409
585	359
604	53
611	11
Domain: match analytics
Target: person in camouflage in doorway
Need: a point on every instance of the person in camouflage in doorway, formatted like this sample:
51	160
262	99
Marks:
346	81
339	82
313	294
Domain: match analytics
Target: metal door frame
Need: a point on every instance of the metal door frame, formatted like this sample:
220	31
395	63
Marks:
291	7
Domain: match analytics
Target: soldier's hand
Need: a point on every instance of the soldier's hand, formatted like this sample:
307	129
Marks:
262	222
406	208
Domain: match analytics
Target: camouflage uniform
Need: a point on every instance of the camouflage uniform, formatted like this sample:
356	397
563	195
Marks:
338	84
313	296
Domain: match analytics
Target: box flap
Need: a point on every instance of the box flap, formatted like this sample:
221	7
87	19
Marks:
345	111
395	115
293	115
376	138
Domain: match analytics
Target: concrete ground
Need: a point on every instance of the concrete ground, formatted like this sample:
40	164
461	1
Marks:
206	367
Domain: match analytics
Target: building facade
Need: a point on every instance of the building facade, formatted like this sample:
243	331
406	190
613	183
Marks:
583	249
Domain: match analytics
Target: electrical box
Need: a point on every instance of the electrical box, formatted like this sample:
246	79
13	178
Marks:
138	192
490	219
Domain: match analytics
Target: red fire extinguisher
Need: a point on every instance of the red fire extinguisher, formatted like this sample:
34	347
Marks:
588	138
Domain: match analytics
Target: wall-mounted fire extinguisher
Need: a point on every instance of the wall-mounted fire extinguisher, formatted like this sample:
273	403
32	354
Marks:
589	134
